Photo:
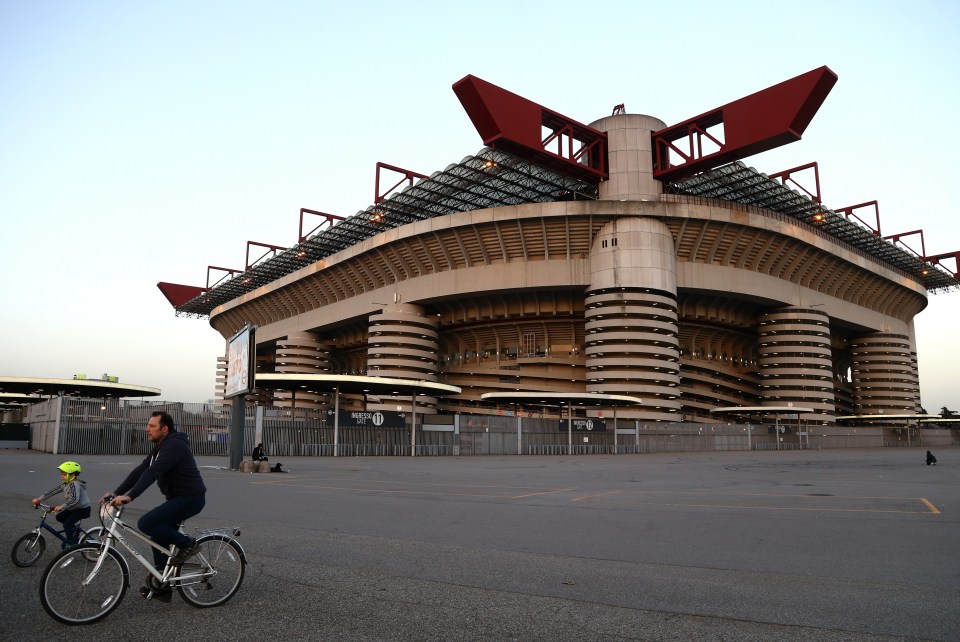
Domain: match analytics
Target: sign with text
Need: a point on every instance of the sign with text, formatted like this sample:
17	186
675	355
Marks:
240	368
373	419
584	425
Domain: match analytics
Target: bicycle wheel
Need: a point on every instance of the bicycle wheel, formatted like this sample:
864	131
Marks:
28	549
92	536
78	590
219	566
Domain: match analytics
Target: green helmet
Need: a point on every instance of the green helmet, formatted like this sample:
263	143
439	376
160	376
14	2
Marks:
70	467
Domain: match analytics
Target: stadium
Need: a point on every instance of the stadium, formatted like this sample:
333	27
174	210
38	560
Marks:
621	257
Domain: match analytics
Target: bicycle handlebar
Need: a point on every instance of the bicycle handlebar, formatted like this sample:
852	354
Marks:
108	510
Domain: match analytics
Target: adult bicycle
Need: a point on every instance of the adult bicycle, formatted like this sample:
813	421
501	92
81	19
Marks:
30	547
85	584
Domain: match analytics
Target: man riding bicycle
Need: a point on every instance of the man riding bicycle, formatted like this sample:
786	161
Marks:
172	466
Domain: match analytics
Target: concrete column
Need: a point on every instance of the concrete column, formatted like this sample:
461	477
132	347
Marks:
631	342
796	361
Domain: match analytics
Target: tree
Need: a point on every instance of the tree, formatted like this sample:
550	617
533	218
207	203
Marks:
946	413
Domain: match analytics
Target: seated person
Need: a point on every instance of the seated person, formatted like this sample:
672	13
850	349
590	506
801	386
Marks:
258	453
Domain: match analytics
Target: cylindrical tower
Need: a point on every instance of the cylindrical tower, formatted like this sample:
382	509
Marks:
884	373
303	353
796	362
631	344
915	381
630	157
403	343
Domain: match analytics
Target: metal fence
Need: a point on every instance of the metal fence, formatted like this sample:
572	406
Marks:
505	435
94	427
90	427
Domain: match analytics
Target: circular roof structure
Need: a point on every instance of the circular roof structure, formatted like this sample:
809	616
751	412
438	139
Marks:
15	397
750	410
562	399
353	384
15	400
883	417
35	387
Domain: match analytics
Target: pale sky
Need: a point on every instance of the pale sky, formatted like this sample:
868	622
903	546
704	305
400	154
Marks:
143	141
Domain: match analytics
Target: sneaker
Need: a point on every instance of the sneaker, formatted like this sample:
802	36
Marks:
153	591
185	552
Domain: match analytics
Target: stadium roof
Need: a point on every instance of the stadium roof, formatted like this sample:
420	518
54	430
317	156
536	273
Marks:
490	179
741	184
493	178
519	166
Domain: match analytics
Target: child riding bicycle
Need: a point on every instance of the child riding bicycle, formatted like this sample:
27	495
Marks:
76	504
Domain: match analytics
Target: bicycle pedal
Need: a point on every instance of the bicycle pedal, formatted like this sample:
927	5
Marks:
161	594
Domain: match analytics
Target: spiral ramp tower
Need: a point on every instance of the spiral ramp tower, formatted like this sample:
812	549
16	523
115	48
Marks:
796	361
403	343
885	374
303	353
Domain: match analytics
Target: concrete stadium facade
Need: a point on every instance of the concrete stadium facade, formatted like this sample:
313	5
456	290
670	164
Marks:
687	302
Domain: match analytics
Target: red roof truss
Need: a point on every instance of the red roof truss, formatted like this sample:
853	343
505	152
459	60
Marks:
523	128
756	123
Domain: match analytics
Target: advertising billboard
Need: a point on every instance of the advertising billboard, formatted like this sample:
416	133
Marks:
240	359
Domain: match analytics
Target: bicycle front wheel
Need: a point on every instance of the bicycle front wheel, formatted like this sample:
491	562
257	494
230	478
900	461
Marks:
215	574
79	588
28	549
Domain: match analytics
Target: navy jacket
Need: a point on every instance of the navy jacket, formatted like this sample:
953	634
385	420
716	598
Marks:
171	465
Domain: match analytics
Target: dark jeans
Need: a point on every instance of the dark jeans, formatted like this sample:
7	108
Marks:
161	523
71	520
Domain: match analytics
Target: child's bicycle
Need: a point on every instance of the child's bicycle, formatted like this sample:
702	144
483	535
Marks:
28	549
84	584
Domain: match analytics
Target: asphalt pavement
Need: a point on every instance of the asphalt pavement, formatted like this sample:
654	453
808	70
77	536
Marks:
821	545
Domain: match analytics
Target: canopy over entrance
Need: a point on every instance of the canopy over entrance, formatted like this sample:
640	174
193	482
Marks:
569	400
759	410
35	388
352	384
562	399
890	417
